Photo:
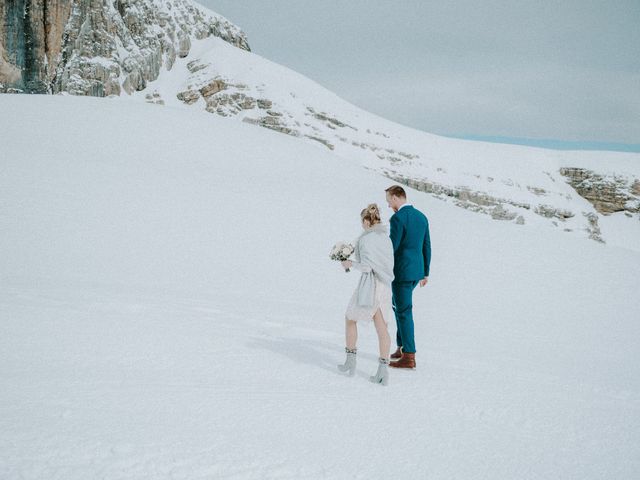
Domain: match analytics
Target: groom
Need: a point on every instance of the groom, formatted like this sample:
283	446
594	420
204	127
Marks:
412	256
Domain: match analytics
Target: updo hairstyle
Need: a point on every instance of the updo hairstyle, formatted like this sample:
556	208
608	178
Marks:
371	214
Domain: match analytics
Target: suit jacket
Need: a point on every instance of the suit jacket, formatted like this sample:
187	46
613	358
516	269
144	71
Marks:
411	244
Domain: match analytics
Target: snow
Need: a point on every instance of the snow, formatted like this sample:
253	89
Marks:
168	310
627	233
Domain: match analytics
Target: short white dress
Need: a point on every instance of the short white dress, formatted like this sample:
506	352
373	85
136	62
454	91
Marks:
382	301
373	256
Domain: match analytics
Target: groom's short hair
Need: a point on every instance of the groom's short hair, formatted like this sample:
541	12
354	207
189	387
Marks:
396	191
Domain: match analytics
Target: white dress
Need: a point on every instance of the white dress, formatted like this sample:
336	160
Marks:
373	256
382	300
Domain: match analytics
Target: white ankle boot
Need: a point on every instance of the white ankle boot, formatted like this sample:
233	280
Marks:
349	365
382	375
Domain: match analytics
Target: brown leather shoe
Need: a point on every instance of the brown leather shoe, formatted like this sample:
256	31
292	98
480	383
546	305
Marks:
397	354
408	360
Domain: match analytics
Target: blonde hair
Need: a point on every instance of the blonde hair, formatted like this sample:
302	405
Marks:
371	214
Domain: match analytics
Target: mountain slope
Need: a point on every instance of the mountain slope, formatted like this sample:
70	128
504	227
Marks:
179	53
568	190
169	311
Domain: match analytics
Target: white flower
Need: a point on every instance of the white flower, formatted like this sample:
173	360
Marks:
341	251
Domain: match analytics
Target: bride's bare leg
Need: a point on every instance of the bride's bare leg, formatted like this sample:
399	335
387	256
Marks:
384	341
351	333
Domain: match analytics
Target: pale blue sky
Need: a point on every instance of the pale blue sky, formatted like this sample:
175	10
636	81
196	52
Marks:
500	70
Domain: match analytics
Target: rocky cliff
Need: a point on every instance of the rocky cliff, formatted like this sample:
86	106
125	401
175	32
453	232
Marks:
607	193
99	47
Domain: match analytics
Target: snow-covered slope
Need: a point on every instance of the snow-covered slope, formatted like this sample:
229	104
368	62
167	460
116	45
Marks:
177	52
596	194
168	310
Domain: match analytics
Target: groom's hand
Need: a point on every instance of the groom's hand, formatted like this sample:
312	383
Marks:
424	281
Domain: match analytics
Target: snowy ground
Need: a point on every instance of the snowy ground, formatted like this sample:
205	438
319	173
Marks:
168	310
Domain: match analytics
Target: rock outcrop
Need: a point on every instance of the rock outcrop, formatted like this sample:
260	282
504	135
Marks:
607	193
464	197
99	47
499	208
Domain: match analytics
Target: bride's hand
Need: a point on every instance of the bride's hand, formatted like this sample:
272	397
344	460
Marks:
346	264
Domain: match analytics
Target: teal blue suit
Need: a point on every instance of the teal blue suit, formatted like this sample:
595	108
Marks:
412	258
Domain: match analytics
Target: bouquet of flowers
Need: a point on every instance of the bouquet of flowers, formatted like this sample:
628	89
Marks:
341	251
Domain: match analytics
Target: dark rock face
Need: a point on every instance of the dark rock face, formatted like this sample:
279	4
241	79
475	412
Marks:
99	47
31	33
23	56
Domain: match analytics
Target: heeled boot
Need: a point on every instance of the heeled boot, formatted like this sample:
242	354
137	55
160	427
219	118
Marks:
349	365
382	375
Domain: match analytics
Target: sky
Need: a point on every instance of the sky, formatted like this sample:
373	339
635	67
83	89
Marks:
562	74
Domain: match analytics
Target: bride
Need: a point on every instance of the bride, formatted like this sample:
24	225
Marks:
372	298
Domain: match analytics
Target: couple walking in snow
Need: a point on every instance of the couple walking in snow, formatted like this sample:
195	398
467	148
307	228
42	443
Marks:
392	264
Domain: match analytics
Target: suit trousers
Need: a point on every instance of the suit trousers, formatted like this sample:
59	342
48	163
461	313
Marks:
403	308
